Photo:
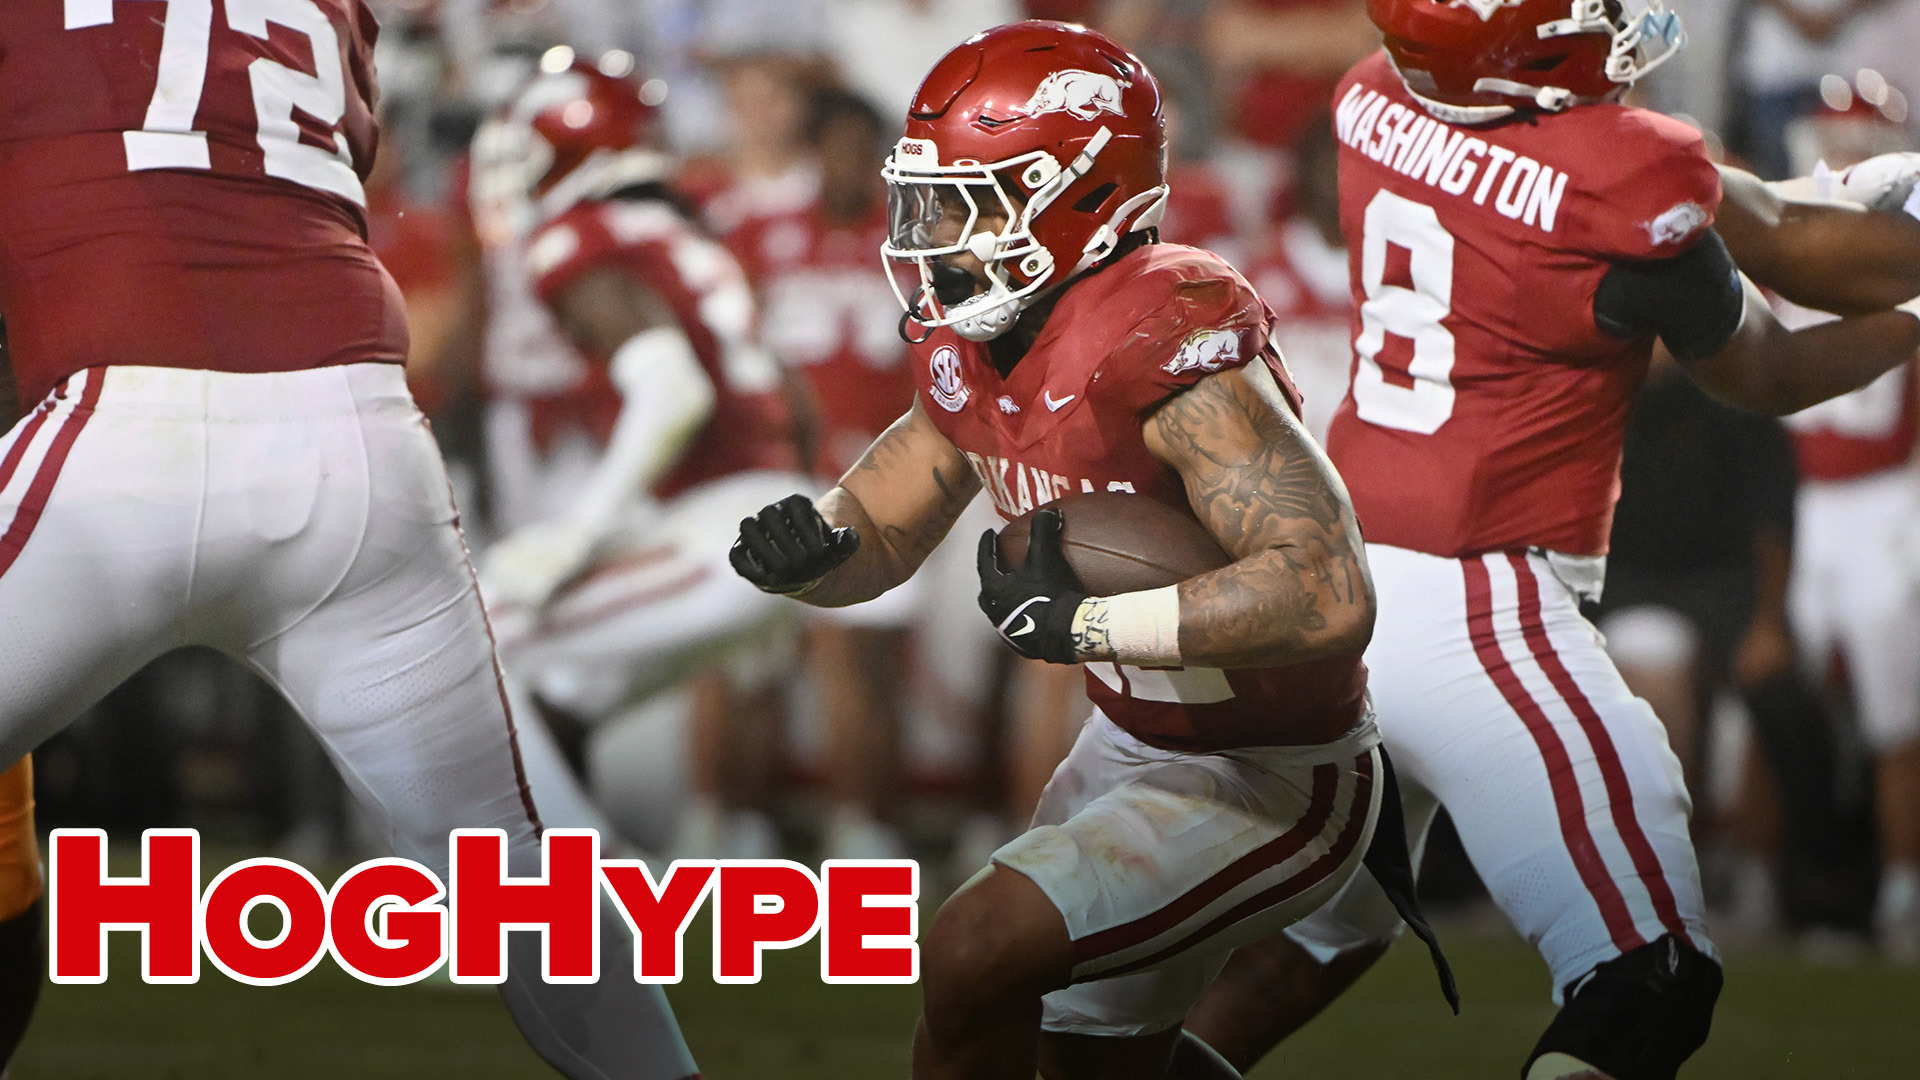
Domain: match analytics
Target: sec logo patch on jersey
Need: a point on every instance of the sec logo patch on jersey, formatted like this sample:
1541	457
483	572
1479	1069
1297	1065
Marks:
948	388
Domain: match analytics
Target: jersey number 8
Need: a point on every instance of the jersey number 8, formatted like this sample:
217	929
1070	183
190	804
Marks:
1412	313
167	139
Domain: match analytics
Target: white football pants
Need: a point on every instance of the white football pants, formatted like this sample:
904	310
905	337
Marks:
301	523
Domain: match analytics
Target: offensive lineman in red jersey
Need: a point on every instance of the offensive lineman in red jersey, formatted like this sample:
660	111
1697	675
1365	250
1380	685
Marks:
1519	241
223	450
1229	781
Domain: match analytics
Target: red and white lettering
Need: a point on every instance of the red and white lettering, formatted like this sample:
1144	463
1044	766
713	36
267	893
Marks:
659	916
770	904
562	904
385	924
230	943
872	921
391	922
163	904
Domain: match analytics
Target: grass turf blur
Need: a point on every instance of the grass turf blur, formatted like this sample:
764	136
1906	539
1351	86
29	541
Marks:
1779	1018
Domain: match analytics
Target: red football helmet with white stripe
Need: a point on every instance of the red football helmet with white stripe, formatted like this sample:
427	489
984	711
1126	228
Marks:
1473	61
573	132
1054	126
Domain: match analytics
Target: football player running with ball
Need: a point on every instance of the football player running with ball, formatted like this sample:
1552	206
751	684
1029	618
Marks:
1229	782
221	449
1519	243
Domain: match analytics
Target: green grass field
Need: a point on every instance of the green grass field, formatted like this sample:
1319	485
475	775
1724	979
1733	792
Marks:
1780	1017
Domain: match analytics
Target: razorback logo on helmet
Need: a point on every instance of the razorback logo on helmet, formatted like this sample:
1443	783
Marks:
1085	94
948	389
1205	350
1677	224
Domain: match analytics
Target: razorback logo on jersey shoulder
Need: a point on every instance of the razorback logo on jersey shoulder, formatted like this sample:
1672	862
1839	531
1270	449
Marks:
1677	224
1085	94
1205	350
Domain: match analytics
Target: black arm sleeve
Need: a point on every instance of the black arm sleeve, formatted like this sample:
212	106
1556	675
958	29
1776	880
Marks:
1693	301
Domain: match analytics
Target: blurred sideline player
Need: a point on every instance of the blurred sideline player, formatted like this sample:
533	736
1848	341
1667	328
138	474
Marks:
1856	574
828	316
1303	276
548	412
1518	243
625	591
223	450
1059	348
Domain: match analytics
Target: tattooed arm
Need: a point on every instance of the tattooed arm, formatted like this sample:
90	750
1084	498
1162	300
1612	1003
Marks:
901	497
1259	484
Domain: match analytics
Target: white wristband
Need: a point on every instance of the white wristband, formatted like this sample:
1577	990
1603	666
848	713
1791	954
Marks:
1139	628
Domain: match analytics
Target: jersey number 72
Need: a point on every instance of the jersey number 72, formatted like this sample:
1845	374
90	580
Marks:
167	139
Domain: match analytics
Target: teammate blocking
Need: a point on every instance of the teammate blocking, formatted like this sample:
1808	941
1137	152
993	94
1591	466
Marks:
1518	243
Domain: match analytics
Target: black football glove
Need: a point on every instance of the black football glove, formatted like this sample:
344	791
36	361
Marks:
1033	607
788	546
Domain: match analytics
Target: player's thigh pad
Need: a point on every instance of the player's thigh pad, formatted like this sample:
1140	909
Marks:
364	610
1161	863
1497	696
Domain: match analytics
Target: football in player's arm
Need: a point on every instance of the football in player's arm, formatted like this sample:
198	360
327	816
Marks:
1298	590
1146	366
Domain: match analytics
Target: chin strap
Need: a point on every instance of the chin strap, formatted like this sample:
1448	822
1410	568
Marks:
1548	98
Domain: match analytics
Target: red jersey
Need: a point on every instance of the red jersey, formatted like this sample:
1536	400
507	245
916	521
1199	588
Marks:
1304	280
182	187
827	312
1487	410
750	427
1068	419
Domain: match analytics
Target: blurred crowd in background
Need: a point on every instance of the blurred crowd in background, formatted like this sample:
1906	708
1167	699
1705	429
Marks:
1791	696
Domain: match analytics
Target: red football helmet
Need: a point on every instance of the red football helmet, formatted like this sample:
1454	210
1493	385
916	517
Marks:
1057	134
1468	61
572	132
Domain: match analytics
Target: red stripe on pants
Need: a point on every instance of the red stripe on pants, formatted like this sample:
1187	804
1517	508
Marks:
11	463
1560	776
1319	871
1326	783
34	502
1646	862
